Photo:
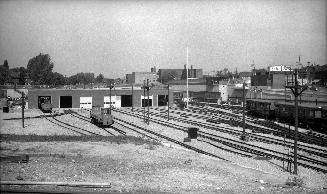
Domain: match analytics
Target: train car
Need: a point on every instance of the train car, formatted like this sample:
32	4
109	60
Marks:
101	116
309	115
46	107
261	108
323	121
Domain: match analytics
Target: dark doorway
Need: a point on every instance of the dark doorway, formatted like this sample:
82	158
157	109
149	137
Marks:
43	99
66	102
126	101
145	102
162	100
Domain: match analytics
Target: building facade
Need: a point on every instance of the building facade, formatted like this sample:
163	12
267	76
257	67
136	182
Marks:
86	98
138	78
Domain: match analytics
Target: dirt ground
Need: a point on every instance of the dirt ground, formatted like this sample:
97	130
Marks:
132	165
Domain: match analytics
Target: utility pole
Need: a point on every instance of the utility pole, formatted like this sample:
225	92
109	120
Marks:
23	107
297	91
110	87
147	88
143	100
244	135
147	85
168	102
132	98
187	78
23	104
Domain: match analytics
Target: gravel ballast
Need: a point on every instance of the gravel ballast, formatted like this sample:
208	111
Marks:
137	165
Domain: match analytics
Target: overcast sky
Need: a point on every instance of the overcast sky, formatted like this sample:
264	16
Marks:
119	37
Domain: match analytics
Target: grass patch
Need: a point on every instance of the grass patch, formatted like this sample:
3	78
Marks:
85	138
294	181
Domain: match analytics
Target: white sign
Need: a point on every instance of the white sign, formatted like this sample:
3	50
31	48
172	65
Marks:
280	68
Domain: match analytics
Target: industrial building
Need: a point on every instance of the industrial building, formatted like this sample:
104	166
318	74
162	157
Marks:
86	98
167	75
138	78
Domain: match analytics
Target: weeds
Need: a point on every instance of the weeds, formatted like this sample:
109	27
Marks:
295	181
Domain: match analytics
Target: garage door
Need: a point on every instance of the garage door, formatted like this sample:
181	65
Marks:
85	102
115	101
145	100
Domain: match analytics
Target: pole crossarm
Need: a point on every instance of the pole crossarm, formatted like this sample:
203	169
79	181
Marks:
295	89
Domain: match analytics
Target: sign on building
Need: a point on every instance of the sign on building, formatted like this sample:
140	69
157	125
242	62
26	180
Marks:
280	68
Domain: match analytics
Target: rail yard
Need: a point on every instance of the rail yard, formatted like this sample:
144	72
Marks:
265	158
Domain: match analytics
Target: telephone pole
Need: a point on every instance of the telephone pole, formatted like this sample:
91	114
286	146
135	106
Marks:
297	91
168	101
244	136
147	88
110	87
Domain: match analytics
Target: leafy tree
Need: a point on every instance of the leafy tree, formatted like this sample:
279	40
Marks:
39	69
99	78
19	73
57	79
4	72
81	78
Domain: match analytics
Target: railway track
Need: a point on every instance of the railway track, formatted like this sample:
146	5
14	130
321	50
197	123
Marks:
230	130
79	130
136	128
84	118
241	146
305	148
268	125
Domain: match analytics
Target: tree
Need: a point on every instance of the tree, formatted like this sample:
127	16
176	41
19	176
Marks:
99	78
81	78
57	79
39	69
226	71
19	73
4	72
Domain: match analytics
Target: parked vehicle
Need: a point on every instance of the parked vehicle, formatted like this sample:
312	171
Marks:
101	116
46	107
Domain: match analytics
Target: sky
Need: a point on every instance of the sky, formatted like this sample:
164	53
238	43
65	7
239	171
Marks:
119	37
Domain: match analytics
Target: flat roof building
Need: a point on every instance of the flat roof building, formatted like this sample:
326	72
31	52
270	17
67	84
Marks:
86	98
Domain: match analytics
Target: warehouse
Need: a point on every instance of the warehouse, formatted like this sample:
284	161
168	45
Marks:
86	98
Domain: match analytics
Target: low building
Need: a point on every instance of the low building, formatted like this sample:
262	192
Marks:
86	98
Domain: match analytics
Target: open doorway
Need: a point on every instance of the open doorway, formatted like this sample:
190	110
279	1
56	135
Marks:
66	102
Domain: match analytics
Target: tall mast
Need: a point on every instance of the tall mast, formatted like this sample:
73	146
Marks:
186	77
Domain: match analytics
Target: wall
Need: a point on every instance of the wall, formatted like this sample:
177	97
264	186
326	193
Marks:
259	80
192	88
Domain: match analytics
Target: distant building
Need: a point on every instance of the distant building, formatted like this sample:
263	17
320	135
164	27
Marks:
166	75
223	90
138	78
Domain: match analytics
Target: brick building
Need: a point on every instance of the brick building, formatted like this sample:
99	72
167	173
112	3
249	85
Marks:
86	98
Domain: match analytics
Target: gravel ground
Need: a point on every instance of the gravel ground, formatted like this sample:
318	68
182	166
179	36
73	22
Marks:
139	166
312	178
